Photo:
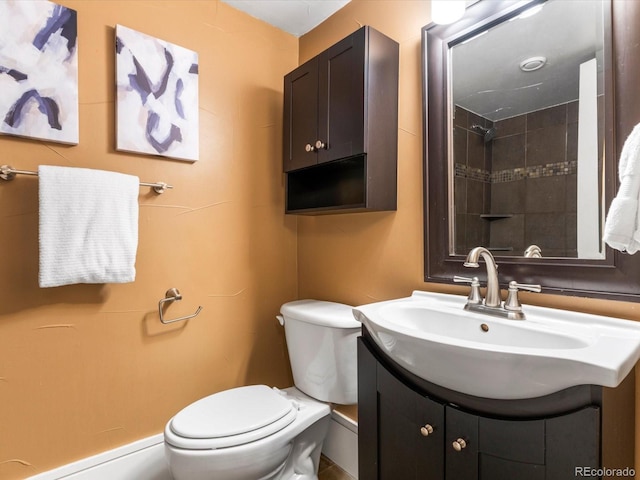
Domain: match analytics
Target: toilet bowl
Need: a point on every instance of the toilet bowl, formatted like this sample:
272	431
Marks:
260	433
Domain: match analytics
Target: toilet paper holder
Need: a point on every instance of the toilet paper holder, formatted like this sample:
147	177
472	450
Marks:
173	295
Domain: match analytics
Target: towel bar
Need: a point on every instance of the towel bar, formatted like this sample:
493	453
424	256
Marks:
7	172
172	295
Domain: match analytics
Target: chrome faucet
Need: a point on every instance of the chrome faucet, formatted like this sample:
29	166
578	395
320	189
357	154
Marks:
492	297
492	304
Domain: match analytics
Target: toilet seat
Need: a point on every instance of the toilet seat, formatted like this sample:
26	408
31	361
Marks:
230	418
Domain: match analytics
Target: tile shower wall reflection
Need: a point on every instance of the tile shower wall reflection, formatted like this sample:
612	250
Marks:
519	188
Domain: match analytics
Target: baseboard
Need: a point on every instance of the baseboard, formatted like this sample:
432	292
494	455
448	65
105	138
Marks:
140	460
144	459
341	444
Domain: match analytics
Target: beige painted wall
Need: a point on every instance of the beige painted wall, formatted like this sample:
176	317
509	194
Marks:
86	368
361	258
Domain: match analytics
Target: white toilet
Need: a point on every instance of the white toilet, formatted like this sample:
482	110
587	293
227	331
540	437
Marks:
260	433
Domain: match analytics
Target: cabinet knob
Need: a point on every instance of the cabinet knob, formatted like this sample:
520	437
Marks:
459	444
320	145
426	430
309	148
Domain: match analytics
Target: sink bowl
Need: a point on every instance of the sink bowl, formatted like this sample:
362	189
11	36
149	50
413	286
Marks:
433	337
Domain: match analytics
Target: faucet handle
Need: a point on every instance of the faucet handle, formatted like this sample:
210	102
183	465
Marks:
474	295
525	286
513	303
461	279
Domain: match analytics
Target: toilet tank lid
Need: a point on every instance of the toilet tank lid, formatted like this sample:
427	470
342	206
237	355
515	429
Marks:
328	314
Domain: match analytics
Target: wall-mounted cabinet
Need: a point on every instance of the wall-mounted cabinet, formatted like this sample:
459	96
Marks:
341	127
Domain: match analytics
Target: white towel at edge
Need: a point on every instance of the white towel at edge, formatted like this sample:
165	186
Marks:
622	227
88	226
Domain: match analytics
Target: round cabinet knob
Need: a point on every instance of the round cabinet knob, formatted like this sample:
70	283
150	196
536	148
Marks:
459	444
309	148
426	430
320	145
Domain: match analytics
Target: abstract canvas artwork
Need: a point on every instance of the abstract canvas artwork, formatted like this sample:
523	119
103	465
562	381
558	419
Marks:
38	70
157	96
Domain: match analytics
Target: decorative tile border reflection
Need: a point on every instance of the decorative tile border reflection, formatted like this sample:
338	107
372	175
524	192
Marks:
477	174
514	174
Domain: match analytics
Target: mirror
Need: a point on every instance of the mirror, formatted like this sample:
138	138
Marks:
527	147
518	158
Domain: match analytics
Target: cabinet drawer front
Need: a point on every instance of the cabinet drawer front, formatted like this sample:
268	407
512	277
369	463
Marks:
521	441
493	468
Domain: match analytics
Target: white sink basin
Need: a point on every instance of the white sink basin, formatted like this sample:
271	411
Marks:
432	336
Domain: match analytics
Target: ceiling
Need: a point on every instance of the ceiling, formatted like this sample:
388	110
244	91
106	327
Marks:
487	79
296	17
485	70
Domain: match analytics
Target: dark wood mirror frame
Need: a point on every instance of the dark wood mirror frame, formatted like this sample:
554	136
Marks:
617	277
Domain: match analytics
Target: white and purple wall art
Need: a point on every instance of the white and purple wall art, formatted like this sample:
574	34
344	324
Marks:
157	100
38	70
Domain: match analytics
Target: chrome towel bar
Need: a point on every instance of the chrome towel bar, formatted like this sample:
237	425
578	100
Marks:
7	172
173	295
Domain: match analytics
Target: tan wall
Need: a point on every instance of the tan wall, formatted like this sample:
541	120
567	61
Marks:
361	258
86	368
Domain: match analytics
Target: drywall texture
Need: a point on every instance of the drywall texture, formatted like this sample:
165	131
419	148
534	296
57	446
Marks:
89	367
362	258
86	368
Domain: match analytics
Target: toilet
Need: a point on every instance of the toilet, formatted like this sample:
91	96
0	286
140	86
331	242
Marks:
258	432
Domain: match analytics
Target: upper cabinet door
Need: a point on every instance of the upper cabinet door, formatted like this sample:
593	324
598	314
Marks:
324	105
341	97
301	116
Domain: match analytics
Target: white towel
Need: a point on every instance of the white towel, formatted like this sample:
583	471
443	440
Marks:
622	226
88	226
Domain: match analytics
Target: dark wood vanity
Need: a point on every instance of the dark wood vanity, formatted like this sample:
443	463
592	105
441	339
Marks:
412	429
341	127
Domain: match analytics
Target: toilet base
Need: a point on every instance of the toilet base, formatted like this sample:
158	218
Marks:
304	459
290	454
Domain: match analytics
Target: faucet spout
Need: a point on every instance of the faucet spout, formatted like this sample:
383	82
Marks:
492	297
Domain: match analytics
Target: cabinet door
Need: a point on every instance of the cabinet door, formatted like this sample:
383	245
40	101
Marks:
300	116
367	413
341	84
461	445
573	443
410	432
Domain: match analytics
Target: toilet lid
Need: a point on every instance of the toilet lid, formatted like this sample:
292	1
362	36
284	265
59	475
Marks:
235	416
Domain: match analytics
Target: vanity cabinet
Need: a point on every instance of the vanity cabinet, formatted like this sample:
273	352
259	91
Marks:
341	127
410	429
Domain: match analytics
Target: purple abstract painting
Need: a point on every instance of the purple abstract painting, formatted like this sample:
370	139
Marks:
38	70
157	96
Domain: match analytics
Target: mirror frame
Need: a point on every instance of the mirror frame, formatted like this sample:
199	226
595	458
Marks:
617	277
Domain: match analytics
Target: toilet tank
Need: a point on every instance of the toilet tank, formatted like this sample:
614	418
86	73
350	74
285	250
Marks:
321	339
